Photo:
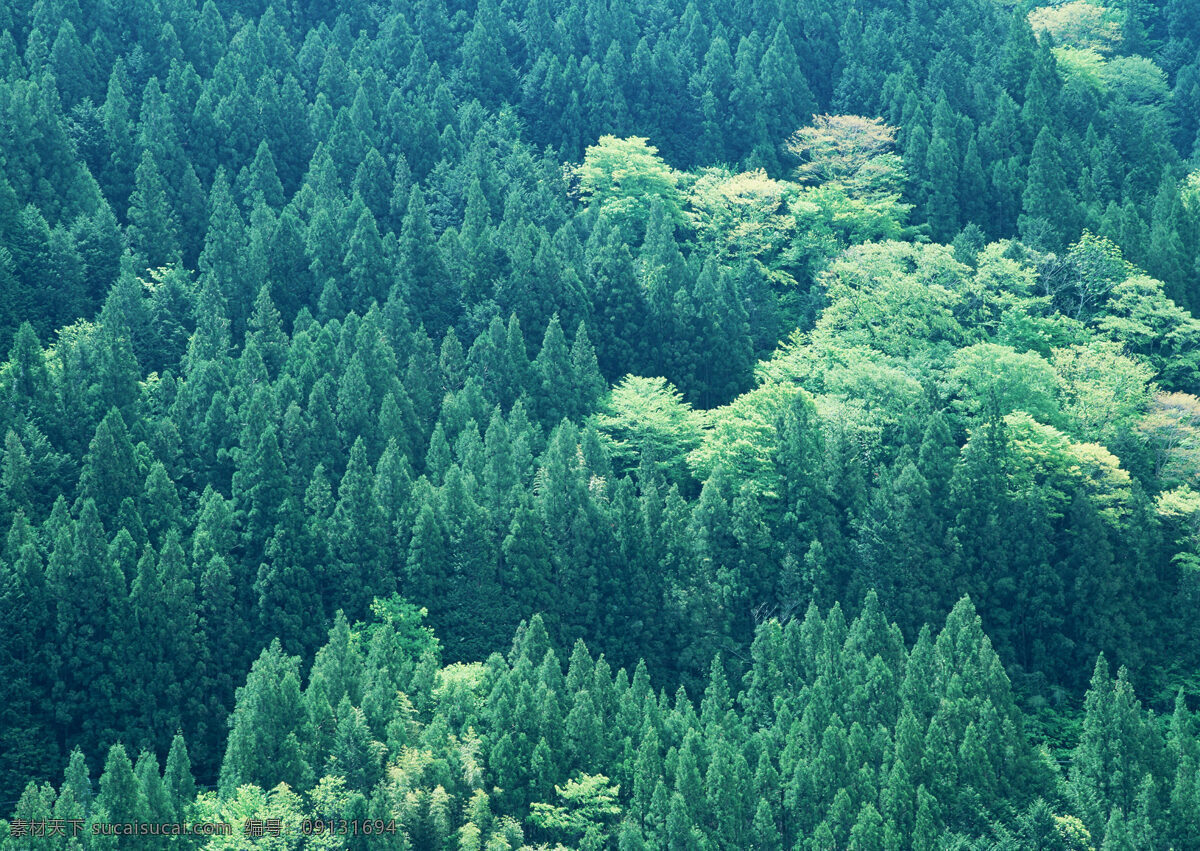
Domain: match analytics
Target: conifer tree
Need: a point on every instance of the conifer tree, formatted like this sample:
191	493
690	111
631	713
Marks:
264	737
942	169
619	306
153	226
116	172
178	781
92	628
266	328
1046	204
367	265
422	269
164	606
486	66
24	660
263	486
158	806
1115	750
121	797
360	536
290	580
552	369
911	576
222	262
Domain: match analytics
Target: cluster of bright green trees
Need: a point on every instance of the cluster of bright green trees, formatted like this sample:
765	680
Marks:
576	310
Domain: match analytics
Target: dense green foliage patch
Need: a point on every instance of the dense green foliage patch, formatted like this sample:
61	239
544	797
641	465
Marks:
346	341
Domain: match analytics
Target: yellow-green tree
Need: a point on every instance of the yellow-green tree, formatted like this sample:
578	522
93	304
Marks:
623	176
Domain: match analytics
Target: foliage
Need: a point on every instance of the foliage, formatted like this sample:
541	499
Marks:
890	296
996	380
1045	457
647	418
1137	78
399	622
1079	24
588	803
1104	393
741	437
741	215
621	176
1084	63
1172	428
849	152
362	360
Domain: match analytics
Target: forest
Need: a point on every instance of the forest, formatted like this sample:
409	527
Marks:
483	425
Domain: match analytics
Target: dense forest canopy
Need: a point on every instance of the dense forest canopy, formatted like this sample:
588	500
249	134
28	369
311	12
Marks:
601	424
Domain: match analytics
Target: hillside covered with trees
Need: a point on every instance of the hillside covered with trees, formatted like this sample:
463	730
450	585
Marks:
601	424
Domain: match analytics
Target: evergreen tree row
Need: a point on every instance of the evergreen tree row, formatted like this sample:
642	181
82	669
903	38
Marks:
840	737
